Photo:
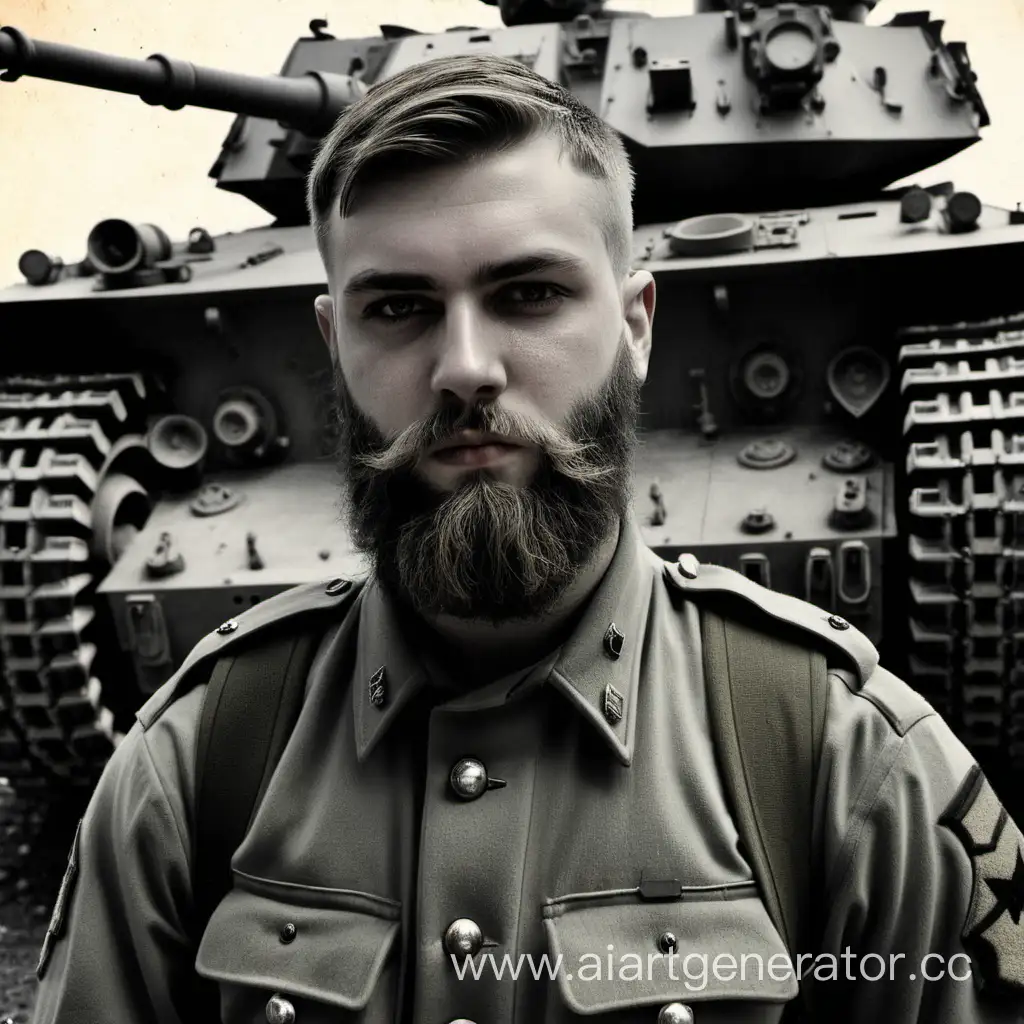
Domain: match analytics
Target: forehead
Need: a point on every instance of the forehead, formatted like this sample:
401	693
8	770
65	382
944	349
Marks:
447	221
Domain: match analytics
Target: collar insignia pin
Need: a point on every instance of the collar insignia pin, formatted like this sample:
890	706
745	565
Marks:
613	704
377	692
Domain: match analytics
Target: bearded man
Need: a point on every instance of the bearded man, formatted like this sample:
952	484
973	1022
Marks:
504	752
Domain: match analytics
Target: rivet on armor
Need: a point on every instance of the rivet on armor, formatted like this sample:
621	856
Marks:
613	704
614	639
463	938
336	587
675	1013
688	566
469	779
838	623
227	627
279	1010
848	457
377	692
667	942
767	453
758	520
288	933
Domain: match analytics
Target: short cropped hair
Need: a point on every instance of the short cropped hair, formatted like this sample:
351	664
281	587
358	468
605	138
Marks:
447	111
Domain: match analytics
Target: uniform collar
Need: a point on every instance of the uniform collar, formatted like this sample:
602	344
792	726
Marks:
597	668
387	672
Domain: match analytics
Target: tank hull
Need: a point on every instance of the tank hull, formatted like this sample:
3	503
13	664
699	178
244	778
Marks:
777	432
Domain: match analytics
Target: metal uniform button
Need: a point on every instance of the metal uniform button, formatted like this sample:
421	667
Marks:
279	1010
675	1013
463	937
227	627
469	778
838	623
688	566
667	942
288	933
338	586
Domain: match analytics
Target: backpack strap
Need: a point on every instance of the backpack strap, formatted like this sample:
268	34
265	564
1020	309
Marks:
255	670
766	700
767	657
252	702
253	697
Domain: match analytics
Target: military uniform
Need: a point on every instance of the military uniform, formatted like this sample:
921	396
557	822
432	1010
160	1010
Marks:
540	815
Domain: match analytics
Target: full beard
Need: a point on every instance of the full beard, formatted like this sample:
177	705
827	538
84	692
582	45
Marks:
488	550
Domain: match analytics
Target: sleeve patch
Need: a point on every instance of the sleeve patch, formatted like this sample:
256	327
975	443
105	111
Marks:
993	933
58	918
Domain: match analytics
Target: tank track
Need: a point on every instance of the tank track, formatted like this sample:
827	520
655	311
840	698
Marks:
58	439
963	388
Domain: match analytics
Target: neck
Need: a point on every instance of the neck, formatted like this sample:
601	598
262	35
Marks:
481	651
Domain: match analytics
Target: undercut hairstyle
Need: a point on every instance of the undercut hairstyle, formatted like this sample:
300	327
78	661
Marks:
451	110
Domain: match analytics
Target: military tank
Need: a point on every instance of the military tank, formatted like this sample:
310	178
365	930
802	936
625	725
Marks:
835	405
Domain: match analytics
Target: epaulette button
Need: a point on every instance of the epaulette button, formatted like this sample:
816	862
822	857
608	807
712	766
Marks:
689	566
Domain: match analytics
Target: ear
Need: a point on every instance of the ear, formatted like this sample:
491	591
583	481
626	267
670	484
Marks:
638	311
324	306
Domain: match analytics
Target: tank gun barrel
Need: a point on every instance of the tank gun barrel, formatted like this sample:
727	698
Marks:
310	103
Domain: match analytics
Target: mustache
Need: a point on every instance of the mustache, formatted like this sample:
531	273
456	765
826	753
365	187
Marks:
570	451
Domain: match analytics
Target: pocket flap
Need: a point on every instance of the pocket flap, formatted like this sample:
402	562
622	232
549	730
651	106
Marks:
725	949
333	955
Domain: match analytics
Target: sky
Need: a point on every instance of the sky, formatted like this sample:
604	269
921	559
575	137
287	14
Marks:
73	156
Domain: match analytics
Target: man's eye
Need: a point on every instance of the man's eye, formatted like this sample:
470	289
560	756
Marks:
397	308
529	294
534	293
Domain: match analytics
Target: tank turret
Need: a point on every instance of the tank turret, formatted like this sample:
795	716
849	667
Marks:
717	108
838	361
841	10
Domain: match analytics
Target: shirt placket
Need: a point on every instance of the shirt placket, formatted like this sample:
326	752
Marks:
480	779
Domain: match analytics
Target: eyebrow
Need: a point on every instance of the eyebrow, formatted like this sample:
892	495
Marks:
487	273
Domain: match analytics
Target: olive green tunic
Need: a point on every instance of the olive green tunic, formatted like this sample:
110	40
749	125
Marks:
363	852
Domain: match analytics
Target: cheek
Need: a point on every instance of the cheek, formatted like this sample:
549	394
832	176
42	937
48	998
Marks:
555	370
387	389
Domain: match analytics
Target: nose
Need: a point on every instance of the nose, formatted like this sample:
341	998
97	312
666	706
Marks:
469	361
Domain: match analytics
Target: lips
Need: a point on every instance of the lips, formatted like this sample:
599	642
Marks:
474	439
474	450
476	456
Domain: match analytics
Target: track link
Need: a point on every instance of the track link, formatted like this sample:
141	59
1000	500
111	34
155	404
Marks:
963	385
58	437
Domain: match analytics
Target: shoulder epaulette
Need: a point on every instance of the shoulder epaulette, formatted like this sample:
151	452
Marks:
842	639
306	598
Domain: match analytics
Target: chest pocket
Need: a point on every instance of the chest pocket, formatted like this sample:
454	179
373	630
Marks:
711	956
299	953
